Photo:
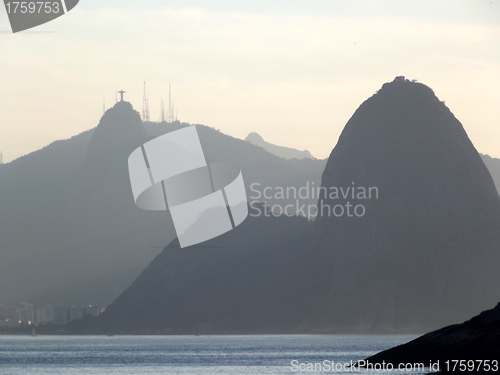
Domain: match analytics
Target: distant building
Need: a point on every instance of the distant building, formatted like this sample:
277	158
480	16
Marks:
15	316
95	310
4	312
60	316
26	316
13	313
9	316
26	305
64	315
44	314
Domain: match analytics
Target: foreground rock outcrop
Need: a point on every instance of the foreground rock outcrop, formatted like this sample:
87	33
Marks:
477	339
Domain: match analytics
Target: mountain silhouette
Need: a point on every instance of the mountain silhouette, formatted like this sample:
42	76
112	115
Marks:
104	180
427	251
423	255
281	151
253	279
71	233
493	166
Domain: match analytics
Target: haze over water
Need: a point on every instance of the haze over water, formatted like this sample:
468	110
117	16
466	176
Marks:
138	355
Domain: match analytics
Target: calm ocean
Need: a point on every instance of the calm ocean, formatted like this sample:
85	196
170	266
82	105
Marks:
138	355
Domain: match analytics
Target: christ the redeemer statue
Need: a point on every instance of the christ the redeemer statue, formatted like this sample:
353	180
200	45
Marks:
121	92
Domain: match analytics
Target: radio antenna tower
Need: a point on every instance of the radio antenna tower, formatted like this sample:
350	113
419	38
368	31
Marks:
162	115
1	157
170	115
145	106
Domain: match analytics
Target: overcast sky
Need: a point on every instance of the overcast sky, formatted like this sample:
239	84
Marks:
293	71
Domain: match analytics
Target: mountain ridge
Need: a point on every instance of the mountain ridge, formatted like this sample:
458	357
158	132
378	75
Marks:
73	241
281	151
426	252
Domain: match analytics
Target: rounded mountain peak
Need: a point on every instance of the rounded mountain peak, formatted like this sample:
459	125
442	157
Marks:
119	132
404	119
254	138
425	251
121	117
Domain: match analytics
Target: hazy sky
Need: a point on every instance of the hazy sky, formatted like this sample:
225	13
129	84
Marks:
293	71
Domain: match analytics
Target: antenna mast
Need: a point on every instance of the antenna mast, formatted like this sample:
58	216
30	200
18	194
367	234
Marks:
170	115
145	106
162	115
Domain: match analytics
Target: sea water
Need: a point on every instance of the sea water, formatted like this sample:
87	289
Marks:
189	355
